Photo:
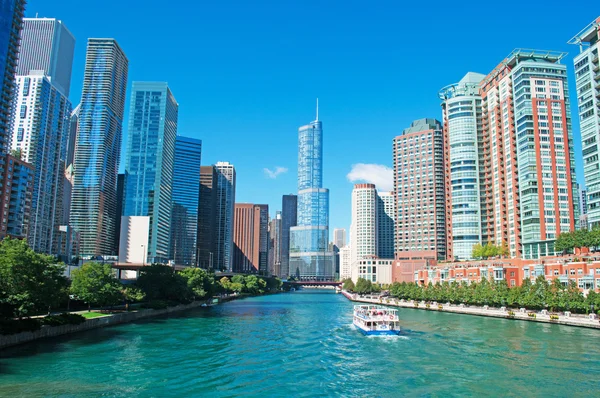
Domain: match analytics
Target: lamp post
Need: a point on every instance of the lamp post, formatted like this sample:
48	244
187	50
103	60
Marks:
143	255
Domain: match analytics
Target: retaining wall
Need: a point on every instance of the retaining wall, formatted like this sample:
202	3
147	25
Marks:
115	319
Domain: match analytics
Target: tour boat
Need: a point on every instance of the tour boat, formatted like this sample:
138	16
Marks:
376	320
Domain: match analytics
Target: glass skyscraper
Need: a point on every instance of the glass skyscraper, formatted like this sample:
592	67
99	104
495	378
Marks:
149	165
289	218
224	213
98	147
186	192
310	257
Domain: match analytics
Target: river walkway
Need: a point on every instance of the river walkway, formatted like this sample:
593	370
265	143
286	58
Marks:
587	321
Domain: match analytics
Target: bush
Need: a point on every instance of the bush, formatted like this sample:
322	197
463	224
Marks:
11	326
63	319
156	305
554	317
531	314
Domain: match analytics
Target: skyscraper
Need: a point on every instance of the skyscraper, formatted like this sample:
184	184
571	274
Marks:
339	237
207	217
310	258
528	152
289	217
363	231
587	83
275	245
224	213
98	147
462	111
11	22
149	164
185	195
40	132
250	238
419	191
47	45
385	224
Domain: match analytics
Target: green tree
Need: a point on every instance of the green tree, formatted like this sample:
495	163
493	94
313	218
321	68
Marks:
251	284
132	294
161	282
348	285
96	284
29	282
477	251
199	282
363	286
564	242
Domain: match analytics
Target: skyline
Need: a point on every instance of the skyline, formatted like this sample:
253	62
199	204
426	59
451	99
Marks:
255	90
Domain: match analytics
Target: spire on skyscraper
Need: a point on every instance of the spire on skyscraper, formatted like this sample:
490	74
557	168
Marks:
317	119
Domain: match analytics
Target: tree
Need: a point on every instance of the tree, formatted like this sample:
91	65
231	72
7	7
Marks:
348	285
564	242
161	282
477	251
199	282
95	283
29	282
132	294
363	286
251	284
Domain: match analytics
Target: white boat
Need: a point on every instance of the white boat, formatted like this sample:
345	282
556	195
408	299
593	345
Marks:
376	320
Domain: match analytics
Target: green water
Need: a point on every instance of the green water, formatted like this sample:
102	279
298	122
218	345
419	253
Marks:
303	344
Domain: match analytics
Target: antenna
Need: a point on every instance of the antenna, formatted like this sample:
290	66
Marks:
317	110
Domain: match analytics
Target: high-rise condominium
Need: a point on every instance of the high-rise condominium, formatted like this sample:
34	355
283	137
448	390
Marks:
463	129
339	237
385	224
363	231
98	147
150	161
41	124
528	153
11	17
47	45
587	83
185	195
207	207
250	238
419	190
310	258
289	217
275	245
40	131
224	213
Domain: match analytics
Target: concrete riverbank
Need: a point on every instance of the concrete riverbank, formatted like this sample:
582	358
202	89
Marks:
587	321
94	323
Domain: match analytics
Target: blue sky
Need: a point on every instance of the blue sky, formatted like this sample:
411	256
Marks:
246	73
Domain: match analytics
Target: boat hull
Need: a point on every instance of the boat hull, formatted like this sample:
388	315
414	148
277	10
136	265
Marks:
388	332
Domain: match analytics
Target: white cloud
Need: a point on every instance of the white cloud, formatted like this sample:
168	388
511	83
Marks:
275	173
378	174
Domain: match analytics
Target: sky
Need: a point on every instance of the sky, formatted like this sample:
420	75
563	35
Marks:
246	74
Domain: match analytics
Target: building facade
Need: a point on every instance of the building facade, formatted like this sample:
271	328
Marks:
462	118
11	23
528	138
345	263
419	190
47	45
275	245
289	217
385	225
587	84
98	147
39	134
149	162
363	231
15	200
207	207
250	238
185	194
226	181
339	237
310	258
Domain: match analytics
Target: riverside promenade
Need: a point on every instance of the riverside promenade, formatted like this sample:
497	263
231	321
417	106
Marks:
522	314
